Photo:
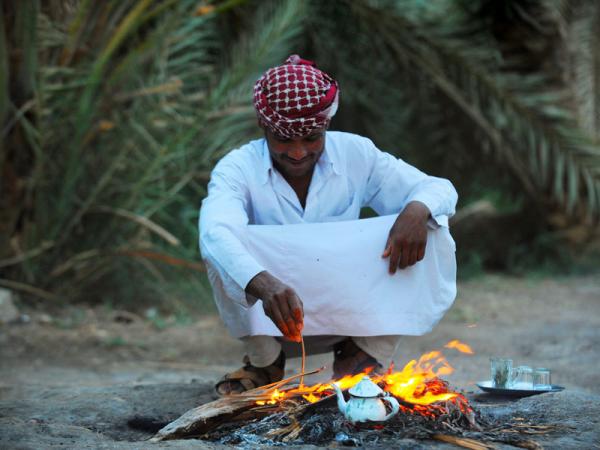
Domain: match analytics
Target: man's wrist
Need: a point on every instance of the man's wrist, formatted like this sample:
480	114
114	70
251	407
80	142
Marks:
418	209
257	286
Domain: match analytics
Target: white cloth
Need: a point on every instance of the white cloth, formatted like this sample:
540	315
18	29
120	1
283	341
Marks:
337	270
357	296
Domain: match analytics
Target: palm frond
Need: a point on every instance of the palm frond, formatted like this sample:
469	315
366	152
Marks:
585	64
533	135
138	110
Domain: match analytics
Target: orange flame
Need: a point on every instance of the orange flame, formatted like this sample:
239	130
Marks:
460	346
417	384
411	384
276	397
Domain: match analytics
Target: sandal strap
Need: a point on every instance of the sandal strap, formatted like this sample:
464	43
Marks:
251	377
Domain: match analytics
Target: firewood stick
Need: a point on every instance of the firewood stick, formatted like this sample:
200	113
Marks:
203	418
298	375
463	442
294	433
529	445
271	387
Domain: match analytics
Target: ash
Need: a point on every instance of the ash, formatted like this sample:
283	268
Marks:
317	428
326	425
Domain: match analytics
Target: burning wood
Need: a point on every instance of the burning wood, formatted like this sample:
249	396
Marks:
205	417
417	386
279	412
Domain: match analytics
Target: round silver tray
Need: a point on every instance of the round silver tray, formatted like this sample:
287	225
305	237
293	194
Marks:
487	386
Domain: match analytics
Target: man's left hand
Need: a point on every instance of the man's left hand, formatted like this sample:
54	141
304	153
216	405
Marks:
408	237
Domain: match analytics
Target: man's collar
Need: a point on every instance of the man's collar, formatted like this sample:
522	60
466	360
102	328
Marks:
324	161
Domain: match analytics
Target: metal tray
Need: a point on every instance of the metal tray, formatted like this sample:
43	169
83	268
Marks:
487	386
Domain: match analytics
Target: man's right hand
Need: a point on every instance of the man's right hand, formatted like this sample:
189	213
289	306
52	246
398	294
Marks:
280	302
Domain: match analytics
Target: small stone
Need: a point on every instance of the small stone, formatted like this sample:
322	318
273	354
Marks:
8	310
45	318
101	333
346	440
24	319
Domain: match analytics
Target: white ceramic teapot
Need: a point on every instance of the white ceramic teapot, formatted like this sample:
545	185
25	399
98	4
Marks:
366	402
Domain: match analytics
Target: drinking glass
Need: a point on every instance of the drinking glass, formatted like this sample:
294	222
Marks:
522	378
501	369
541	378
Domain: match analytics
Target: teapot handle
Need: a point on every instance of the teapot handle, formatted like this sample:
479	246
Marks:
394	405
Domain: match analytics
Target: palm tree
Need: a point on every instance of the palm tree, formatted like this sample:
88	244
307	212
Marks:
492	81
114	112
130	104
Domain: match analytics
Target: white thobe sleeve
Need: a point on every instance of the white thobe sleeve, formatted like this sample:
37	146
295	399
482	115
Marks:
223	231
392	184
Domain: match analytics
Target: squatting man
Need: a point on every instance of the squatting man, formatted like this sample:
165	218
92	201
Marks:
287	255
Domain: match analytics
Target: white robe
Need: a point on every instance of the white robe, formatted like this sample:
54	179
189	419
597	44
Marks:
337	270
252	221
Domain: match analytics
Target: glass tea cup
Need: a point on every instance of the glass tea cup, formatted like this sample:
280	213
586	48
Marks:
522	378
501	369
541	379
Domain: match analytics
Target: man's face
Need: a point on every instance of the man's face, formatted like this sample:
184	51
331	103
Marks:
296	157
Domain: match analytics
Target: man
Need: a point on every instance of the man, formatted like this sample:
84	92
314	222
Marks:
301	178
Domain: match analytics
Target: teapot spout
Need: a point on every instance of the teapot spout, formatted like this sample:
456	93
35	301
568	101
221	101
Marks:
340	398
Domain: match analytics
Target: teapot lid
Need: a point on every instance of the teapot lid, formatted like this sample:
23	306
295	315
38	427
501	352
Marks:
365	388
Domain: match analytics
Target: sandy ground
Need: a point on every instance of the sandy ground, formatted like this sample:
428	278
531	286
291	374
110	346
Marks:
553	323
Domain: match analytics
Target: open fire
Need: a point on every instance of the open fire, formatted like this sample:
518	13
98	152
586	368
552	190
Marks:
417	386
306	414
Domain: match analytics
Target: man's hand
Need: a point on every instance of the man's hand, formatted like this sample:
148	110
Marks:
280	302
408	237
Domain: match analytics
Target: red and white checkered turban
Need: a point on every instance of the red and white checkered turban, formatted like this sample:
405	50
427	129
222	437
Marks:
296	98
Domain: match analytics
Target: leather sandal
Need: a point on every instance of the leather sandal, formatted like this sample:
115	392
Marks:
250	377
350	359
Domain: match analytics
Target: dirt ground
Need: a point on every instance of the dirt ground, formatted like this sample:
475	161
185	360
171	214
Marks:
542	322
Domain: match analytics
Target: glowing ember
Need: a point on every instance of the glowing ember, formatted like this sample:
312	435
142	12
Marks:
417	385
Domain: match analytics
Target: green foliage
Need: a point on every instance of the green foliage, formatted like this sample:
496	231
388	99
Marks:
469	97
135	102
547	256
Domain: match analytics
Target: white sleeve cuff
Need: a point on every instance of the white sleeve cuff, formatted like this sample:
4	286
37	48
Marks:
438	221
